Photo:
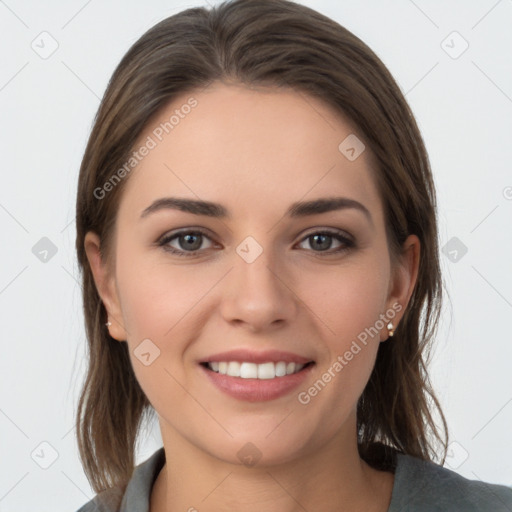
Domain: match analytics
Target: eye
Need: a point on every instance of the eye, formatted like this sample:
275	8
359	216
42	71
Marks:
192	241
185	243
322	241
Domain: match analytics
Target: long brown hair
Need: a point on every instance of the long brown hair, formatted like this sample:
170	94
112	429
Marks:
281	44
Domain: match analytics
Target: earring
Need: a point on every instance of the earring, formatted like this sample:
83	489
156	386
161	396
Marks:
108	324
391	330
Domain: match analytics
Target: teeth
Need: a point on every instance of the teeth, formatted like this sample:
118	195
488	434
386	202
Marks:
280	369
255	371
234	369
248	371
266	371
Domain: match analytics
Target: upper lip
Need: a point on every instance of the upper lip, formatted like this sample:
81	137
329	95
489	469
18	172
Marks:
258	357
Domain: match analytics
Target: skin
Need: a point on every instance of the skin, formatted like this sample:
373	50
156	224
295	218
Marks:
255	151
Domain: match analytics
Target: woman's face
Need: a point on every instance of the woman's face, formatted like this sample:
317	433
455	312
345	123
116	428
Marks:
246	234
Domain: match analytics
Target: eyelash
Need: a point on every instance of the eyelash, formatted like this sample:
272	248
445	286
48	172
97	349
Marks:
347	242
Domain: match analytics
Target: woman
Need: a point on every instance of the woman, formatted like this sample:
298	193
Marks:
256	227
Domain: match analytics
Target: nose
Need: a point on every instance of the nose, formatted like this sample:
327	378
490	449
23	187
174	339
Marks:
258	296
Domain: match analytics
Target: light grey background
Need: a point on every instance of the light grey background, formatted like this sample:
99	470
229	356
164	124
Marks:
463	104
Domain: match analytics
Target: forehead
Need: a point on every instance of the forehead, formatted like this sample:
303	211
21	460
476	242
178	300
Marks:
248	148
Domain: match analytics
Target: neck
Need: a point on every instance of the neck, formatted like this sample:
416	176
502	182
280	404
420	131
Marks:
330	478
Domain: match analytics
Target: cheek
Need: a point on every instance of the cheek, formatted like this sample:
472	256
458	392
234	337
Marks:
346	300
348	303
156	296
159	303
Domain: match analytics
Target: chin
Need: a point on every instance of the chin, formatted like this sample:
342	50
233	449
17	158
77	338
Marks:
253	449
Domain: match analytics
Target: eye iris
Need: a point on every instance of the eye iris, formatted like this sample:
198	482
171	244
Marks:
324	241
190	241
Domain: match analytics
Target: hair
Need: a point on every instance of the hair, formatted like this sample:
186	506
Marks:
267	43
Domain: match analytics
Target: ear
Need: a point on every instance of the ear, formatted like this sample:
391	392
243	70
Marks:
105	284
403	280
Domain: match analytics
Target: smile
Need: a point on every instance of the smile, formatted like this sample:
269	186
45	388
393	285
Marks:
253	376
247	370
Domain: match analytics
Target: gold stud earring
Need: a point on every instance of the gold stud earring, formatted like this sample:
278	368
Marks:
391	330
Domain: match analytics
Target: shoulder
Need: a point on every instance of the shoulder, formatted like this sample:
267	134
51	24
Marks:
133	497
106	501
424	486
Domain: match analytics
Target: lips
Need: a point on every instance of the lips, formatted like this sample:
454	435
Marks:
256	376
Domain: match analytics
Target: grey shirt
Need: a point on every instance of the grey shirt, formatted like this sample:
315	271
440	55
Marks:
419	487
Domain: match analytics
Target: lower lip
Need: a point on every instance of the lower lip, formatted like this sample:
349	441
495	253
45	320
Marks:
257	390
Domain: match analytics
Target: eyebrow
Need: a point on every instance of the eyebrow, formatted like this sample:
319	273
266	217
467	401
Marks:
296	210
